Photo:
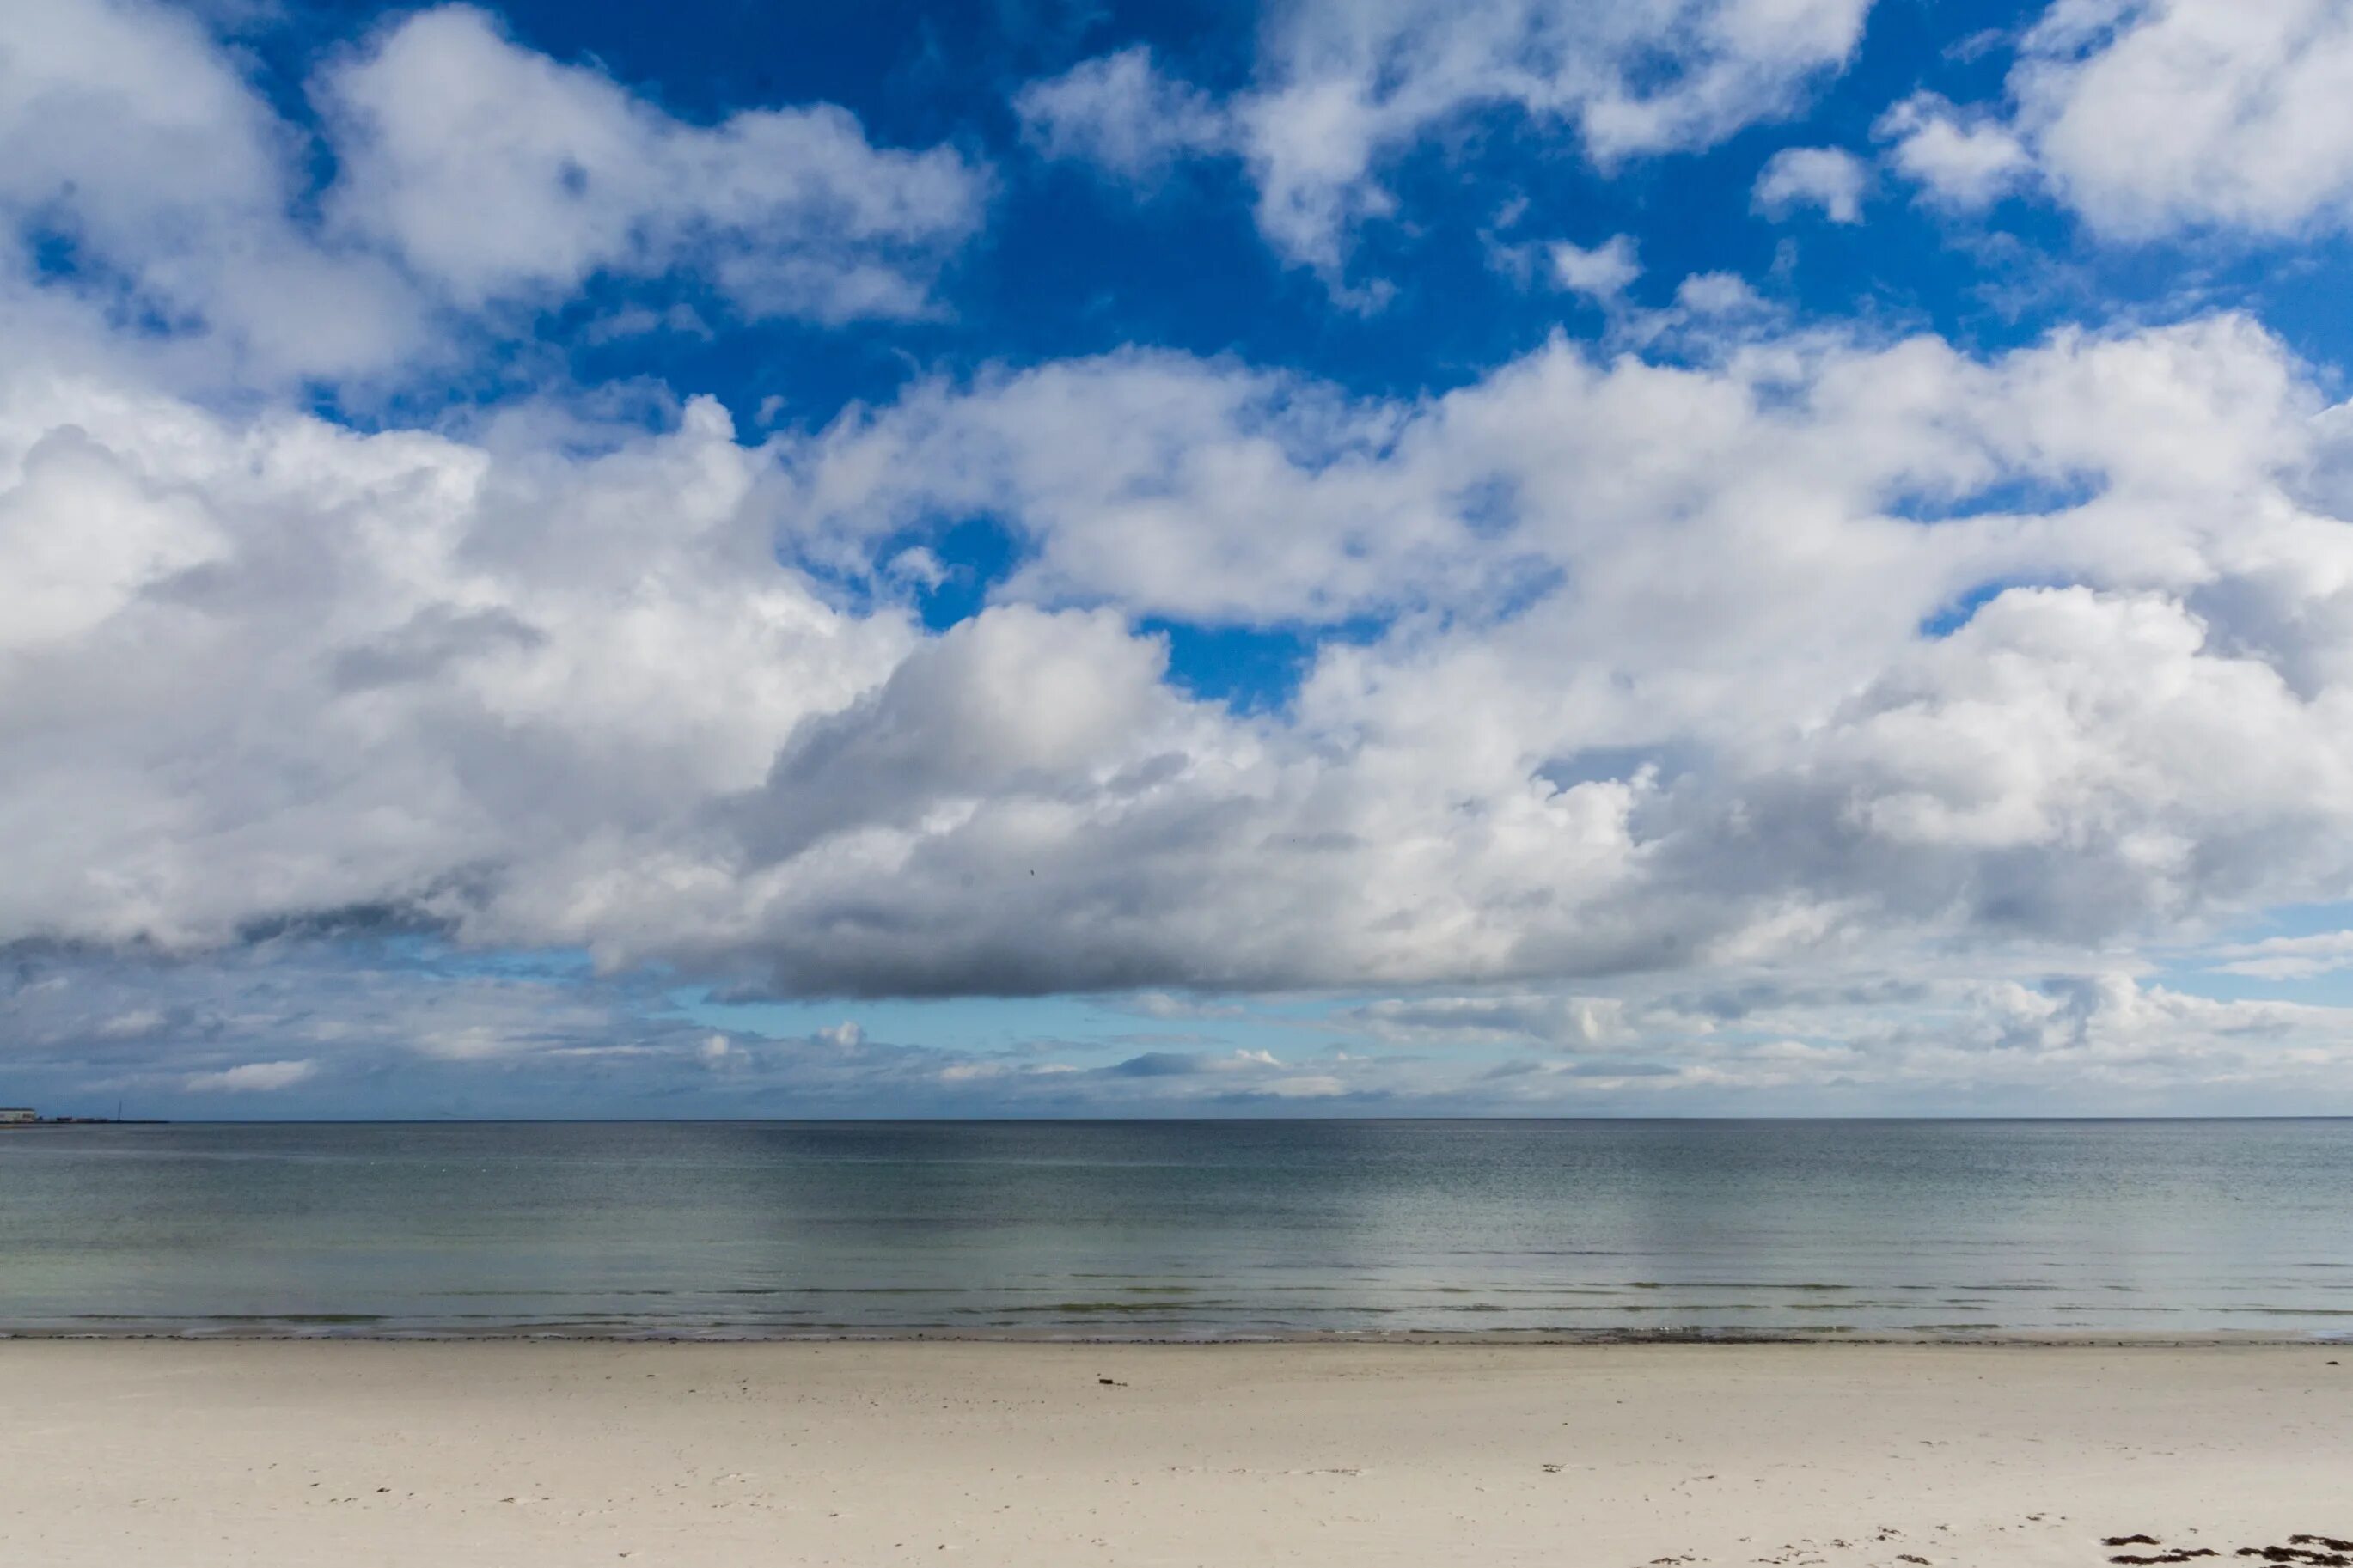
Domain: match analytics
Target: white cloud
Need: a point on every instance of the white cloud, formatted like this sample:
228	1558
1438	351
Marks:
1637	681
1827	178
1935	1038
2152	117
1718	294
2149	119
1122	113
1307	520
495	172
137	1024
251	1078
1602	272
1652	695
2101	1040
470	172
415	637
1959	160
131	133
2290	957
1744	702
1342	87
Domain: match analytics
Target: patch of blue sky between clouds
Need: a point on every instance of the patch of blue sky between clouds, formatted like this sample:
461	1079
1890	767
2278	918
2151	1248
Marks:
1963	608
2298	953
1089	1031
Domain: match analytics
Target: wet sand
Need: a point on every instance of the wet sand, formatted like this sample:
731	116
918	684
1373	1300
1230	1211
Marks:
536	1453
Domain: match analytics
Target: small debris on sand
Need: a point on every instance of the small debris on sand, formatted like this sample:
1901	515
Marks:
2300	1550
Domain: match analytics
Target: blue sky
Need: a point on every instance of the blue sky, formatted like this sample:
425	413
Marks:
1069	266
1708	557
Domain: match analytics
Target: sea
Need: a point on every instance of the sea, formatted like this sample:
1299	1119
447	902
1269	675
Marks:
1184	1230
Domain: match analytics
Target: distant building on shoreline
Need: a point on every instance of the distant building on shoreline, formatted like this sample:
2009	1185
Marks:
18	1114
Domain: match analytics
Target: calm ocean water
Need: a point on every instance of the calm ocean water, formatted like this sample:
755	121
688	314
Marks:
1186	1229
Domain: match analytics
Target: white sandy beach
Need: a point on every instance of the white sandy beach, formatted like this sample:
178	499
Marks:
539	1454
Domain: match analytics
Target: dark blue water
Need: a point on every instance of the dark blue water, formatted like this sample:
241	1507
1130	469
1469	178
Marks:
1191	1230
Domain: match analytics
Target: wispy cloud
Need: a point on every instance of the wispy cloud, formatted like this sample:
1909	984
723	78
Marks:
251	1078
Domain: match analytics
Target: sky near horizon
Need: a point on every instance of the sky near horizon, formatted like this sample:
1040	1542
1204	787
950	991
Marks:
1344	557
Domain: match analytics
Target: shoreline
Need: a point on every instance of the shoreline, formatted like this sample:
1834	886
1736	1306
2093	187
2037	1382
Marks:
565	1453
1498	1339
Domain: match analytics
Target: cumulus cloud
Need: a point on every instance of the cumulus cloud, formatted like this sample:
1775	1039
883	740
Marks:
1340	88
492	171
2148	118
1734	646
2152	119
1728	735
468	172
134	136
1203	490
1600	272
1829	179
1958	158
413	637
1635	703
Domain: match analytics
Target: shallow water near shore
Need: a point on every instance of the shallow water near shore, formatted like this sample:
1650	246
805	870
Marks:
1184	1230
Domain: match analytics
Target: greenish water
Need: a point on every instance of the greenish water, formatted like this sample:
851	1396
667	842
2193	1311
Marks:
1183	1229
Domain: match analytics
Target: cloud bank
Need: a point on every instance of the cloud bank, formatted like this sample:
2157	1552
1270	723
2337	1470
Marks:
1735	699
1674	663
